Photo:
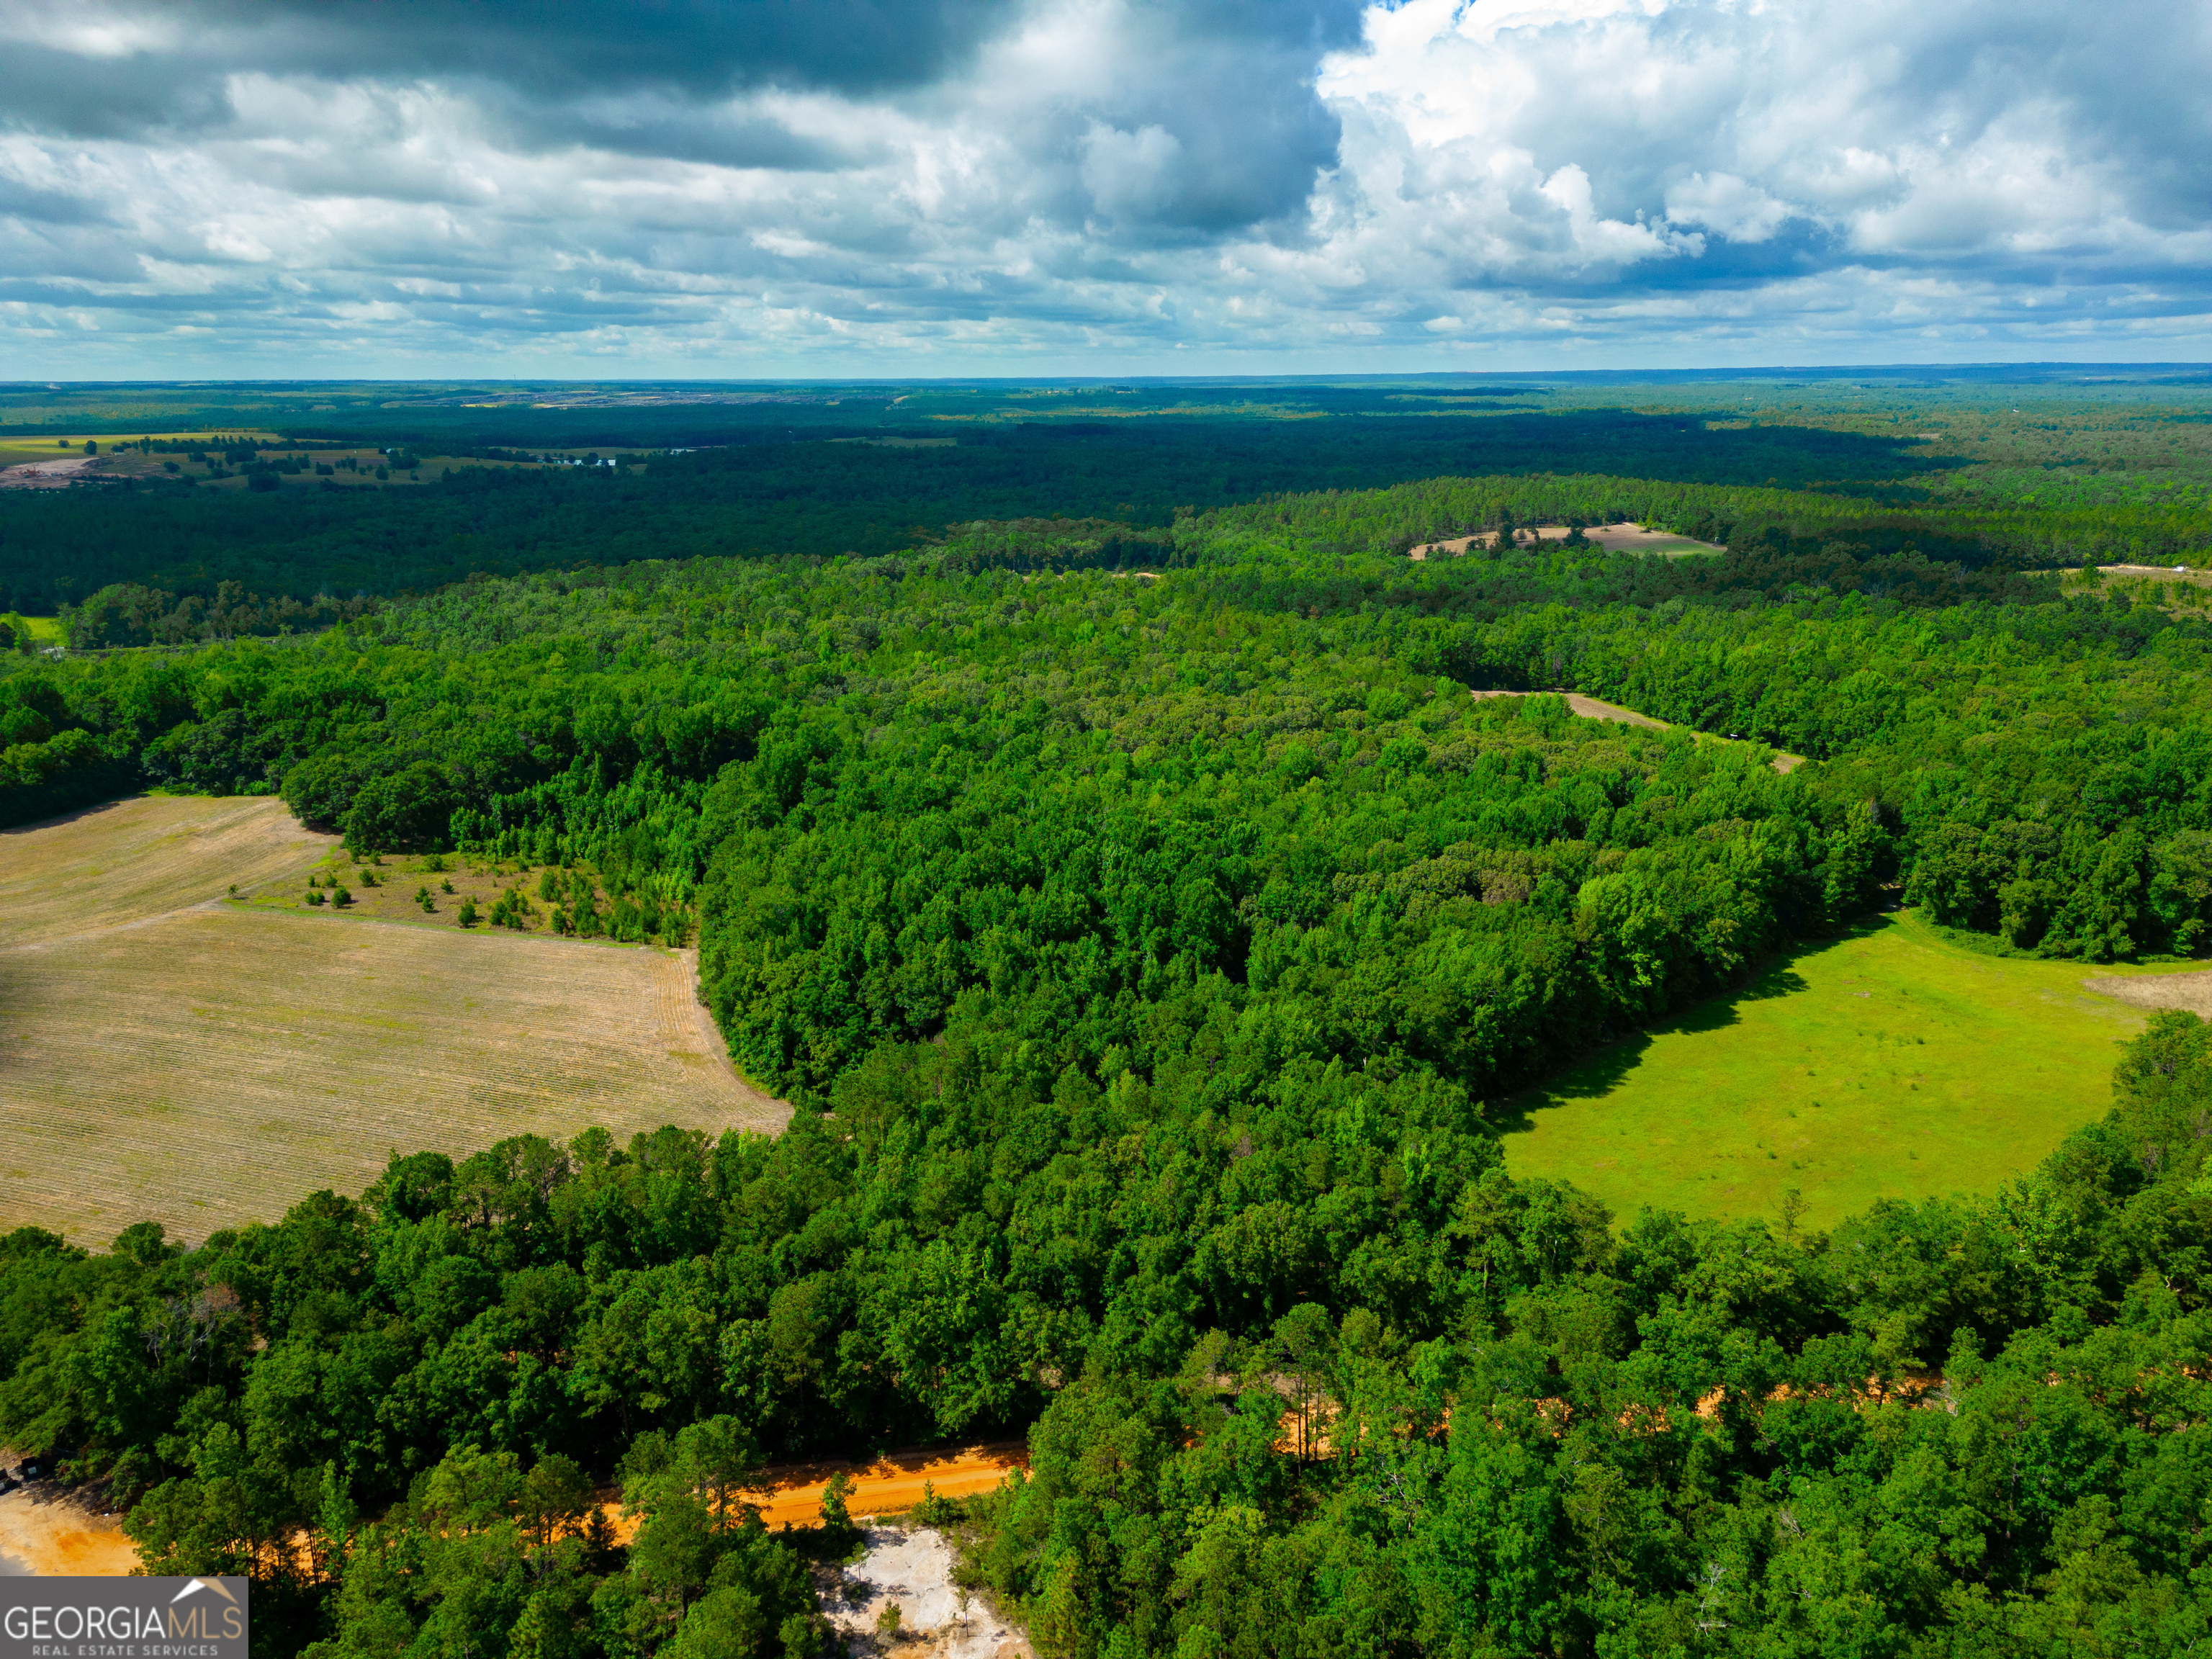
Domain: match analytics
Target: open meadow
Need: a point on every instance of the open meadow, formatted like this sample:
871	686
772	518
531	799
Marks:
168	1054
1888	1064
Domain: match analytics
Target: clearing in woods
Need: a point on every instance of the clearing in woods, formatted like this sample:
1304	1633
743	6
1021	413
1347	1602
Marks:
167	1055
1591	708
1888	1064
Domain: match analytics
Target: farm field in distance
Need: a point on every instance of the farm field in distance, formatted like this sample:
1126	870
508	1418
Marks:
1887	1064
167	1055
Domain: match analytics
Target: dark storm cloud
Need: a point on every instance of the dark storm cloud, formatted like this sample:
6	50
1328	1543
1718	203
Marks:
762	182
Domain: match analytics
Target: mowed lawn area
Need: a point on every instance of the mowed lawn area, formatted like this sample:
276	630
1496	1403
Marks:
1889	1063
169	1054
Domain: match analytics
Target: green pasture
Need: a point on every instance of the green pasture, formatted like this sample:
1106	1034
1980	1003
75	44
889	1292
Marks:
1888	1064
45	630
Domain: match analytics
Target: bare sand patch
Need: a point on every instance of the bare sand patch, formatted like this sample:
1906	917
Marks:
912	1570
1625	538
48	475
47	1532
2191	992
128	861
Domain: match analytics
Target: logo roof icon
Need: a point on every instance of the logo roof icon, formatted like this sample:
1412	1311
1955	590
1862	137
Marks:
215	1584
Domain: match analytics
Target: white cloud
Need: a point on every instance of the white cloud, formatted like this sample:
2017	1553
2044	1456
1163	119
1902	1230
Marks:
1099	182
1727	205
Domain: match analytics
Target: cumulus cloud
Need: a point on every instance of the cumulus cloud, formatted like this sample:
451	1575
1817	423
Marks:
880	186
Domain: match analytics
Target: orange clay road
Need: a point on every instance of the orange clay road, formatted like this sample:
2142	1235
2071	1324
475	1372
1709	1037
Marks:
55	1538
790	1494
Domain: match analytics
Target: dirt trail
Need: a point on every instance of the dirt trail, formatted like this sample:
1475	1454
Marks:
1591	709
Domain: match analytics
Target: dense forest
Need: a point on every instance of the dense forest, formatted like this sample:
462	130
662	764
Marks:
1148	921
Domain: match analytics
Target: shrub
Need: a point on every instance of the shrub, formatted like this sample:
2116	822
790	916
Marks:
467	917
340	896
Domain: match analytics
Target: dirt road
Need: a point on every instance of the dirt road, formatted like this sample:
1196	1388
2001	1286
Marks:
1591	709
48	1534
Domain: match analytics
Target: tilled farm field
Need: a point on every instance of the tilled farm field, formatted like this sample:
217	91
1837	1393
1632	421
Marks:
128	860
215	1063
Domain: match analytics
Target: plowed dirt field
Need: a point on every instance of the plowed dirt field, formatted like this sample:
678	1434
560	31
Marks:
167	1055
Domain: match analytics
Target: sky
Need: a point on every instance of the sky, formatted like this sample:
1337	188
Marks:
664	188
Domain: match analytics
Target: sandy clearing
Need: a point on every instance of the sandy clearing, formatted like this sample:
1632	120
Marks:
1626	537
1591	709
2191	992
129	860
46	475
216	1066
46	1534
913	1570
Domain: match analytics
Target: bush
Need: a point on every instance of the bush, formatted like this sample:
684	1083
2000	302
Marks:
467	917
340	898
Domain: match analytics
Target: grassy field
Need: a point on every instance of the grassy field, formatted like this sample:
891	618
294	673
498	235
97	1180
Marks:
168	1054
386	891
1888	1064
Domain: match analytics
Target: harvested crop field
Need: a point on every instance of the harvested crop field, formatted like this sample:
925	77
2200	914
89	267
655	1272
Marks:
215	1063
129	860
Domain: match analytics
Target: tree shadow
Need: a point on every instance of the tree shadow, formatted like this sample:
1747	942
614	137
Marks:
1593	1076
70	817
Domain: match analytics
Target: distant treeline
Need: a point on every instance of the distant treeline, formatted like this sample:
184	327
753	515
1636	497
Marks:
1759	486
769	498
